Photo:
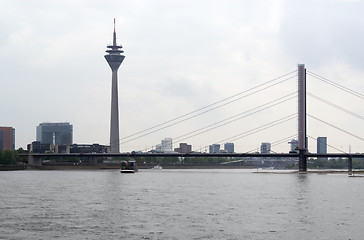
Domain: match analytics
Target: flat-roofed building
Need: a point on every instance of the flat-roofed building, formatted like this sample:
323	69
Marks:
7	138
89	148
322	147
38	147
265	147
167	145
183	148
214	148
55	133
229	147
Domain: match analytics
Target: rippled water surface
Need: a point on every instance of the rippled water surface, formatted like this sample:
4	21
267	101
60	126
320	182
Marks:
180	204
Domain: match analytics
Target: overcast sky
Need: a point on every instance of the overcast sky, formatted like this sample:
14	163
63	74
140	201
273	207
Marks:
180	56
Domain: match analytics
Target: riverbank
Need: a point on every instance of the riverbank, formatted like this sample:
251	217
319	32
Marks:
142	166
12	167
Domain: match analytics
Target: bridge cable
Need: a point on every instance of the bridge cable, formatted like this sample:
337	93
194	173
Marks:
336	106
336	85
258	129
278	142
245	114
328	145
336	127
261	128
223	122
213	104
193	116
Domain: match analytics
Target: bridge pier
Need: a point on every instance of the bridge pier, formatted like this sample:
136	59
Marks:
302	160
350	165
34	161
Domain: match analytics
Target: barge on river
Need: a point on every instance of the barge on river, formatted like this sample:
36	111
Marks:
129	166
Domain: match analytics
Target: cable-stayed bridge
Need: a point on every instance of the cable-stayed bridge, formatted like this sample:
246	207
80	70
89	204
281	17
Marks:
297	114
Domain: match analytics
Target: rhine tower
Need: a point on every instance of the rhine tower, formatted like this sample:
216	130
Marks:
114	58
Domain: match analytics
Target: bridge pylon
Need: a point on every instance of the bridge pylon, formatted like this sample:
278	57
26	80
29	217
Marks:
302	134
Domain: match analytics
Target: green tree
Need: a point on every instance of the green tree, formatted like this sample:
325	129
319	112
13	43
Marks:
358	163
21	150
8	157
341	163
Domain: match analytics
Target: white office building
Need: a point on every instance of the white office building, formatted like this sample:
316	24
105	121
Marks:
265	147
167	145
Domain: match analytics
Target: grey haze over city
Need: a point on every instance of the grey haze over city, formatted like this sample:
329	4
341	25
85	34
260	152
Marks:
180	56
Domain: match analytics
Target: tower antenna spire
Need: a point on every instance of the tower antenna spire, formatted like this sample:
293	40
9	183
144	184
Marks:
114	36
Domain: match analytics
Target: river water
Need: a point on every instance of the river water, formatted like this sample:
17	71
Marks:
180	204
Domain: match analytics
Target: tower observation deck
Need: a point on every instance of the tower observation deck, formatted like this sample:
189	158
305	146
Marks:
114	59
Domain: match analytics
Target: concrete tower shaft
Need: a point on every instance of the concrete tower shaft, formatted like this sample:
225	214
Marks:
114	59
302	146
301	107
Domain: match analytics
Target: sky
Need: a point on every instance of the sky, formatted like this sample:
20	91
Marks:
181	56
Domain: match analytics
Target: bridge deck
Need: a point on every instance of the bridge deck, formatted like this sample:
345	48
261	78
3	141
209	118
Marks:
257	155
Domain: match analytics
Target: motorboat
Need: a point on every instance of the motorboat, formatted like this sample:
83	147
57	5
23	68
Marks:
128	166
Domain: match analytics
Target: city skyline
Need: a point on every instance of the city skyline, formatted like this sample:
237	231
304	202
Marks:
180	58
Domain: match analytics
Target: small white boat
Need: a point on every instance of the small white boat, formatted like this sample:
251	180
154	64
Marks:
157	167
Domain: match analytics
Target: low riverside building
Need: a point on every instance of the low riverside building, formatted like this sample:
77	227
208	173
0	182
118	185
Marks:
89	148
38	147
62	149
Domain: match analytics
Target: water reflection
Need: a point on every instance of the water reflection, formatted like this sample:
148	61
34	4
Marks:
303	202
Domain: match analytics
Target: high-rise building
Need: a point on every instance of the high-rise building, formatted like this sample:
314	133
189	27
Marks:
294	145
183	148
322	145
167	145
114	59
265	147
55	133
7	138
214	148
229	147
